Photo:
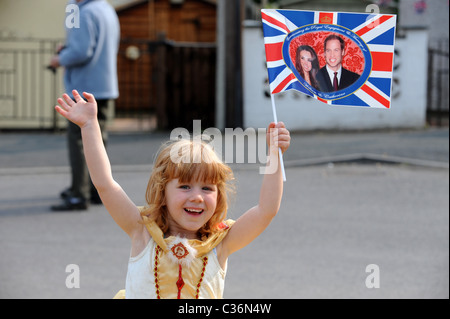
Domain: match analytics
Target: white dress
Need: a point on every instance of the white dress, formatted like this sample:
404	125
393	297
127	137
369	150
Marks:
140	281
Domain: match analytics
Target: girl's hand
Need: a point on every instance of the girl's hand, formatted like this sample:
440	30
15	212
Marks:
278	137
80	112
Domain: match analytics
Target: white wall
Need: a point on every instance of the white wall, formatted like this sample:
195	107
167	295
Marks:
435	17
32	19
299	112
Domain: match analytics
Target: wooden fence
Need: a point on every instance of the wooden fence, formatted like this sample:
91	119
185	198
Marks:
170	80
28	89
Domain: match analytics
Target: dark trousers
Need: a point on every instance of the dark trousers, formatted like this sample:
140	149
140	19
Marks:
82	186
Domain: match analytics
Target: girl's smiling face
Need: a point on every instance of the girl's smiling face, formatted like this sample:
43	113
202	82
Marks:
190	206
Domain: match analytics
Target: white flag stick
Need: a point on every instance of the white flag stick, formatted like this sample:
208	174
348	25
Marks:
274	110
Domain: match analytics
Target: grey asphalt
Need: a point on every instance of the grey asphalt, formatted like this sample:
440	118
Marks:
351	199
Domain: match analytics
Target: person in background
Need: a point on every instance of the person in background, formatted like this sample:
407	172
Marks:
89	57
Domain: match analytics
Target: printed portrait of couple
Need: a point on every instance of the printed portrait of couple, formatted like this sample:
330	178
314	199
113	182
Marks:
326	61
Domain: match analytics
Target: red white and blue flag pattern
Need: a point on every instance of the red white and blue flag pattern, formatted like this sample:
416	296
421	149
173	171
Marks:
374	34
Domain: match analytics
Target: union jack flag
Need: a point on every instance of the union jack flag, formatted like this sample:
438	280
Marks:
373	34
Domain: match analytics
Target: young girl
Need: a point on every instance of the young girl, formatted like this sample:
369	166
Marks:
180	241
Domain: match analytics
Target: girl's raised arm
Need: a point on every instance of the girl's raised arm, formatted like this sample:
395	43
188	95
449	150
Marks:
116	201
255	220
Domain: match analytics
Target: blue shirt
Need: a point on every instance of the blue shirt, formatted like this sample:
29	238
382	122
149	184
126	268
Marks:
90	55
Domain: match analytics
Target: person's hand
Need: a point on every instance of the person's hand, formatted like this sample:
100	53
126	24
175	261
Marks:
79	112
59	48
54	62
278	137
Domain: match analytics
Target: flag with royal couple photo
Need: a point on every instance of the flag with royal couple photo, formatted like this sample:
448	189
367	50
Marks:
335	57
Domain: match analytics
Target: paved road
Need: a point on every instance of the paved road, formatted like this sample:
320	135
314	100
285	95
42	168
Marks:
339	215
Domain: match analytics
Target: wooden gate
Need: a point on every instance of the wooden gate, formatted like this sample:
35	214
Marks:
172	80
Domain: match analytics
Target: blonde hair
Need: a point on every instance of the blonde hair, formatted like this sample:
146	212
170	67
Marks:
188	160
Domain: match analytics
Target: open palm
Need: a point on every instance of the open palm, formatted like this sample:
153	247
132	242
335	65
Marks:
79	111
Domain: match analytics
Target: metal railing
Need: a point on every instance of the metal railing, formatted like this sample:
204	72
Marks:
438	84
